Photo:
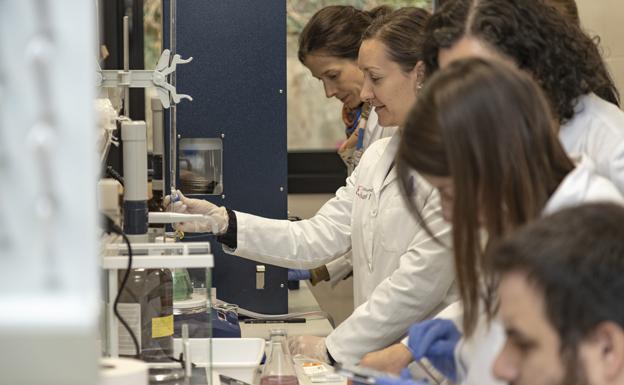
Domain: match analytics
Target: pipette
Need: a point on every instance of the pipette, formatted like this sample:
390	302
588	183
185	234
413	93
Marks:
168	217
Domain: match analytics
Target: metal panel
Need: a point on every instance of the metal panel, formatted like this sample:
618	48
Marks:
238	82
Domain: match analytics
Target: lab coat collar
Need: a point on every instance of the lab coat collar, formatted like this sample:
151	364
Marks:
382	177
573	189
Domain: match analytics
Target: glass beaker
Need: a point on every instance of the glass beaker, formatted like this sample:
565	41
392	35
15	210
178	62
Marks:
278	369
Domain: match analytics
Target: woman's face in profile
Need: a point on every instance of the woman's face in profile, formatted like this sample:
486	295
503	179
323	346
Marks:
387	86
341	78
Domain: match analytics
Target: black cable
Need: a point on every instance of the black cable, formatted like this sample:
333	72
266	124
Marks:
110	171
109	227
137	349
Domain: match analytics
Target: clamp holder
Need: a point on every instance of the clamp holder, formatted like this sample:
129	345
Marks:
147	78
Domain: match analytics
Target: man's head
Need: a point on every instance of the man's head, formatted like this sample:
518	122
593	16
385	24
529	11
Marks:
561	296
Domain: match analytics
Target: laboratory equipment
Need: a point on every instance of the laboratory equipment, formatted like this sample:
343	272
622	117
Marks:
182	286
148	299
157	321
192	309
201	169
362	375
226	380
134	137
230	149
147	78
238	358
278	369
158	150
225	322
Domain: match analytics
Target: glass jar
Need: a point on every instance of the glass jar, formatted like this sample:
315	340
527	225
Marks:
146	303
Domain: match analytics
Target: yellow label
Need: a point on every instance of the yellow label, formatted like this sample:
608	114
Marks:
162	326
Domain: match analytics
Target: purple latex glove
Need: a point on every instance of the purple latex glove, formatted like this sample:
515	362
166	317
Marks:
298	275
435	340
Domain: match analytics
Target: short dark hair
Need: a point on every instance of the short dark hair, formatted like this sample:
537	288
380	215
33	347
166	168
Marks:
337	30
561	57
575	257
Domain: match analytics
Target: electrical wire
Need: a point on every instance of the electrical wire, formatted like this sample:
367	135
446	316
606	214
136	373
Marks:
110	171
137	349
110	226
282	317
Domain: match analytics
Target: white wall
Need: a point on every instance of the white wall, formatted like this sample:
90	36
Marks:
605	18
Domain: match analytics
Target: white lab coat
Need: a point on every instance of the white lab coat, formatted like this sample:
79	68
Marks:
597	130
475	355
401	275
374	131
339	268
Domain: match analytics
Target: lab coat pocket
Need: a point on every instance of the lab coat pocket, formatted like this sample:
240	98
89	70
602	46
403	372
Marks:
397	229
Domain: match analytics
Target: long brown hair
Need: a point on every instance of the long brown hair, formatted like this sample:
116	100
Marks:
488	127
337	31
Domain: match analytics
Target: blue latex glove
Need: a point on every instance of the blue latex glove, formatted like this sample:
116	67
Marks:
406	379
298	275
435	340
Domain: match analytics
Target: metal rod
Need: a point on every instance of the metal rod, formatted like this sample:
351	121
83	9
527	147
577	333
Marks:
126	64
186	349
173	140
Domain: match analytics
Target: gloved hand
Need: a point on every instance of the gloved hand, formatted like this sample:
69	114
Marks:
298	275
215	214
319	274
405	379
435	340
309	346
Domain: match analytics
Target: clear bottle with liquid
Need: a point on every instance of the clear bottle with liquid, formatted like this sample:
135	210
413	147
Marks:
278	369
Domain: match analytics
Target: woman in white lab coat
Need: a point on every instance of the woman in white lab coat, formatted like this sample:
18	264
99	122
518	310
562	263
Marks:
328	47
561	57
401	274
482	134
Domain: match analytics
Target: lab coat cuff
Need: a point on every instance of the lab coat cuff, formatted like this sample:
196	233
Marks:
336	351
229	239
331	360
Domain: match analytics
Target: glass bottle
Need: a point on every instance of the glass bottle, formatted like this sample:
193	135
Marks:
278	369
152	291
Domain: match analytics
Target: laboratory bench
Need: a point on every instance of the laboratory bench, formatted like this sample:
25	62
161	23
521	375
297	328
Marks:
299	301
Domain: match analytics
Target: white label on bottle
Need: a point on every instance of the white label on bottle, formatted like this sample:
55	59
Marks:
131	313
